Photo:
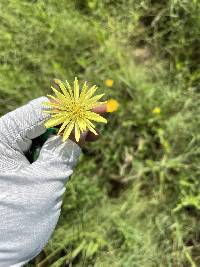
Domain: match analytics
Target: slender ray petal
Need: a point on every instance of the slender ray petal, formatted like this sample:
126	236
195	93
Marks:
95	117
76	89
53	98
77	133
92	129
60	96
68	131
90	92
65	123
54	122
63	88
69	89
82	125
50	104
93	100
50	111
89	122
83	92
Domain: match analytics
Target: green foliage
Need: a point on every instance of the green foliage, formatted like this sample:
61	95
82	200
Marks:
134	199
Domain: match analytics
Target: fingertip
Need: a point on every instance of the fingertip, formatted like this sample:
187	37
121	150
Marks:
100	109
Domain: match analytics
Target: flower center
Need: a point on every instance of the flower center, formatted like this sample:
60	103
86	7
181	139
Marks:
77	110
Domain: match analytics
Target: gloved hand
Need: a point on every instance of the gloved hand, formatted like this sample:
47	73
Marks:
30	194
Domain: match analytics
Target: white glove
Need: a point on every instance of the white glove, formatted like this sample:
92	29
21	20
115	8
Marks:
30	194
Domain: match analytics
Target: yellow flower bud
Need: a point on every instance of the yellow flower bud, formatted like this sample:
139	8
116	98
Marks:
156	110
109	82
112	105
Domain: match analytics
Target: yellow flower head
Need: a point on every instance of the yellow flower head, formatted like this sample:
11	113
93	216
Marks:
156	110
72	109
109	82
112	105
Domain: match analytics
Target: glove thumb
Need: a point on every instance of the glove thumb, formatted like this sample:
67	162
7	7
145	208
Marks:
58	155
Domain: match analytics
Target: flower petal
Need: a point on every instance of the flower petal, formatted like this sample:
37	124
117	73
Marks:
51	111
63	88
69	89
60	114
90	92
50	104
77	133
60	96
65	123
68	131
56	100
90	123
83	92
54	122
90	126
93	100
82	125
95	117
91	129
76	89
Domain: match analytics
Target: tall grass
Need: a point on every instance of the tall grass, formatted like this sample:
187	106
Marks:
134	197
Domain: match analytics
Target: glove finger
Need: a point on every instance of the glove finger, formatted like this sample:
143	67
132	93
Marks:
11	160
18	127
59	155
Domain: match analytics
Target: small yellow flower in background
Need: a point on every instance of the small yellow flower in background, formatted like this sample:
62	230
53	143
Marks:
109	82
112	105
72	108
156	110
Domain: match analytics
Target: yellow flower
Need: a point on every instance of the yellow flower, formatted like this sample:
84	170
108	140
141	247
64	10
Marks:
156	110
109	82
72	109
112	105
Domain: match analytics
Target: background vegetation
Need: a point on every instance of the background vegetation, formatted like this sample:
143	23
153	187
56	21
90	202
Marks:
134	198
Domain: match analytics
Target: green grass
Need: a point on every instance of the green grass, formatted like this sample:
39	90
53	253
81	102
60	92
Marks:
133	200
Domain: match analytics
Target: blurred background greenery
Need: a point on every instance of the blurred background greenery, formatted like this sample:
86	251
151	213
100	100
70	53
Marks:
134	198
